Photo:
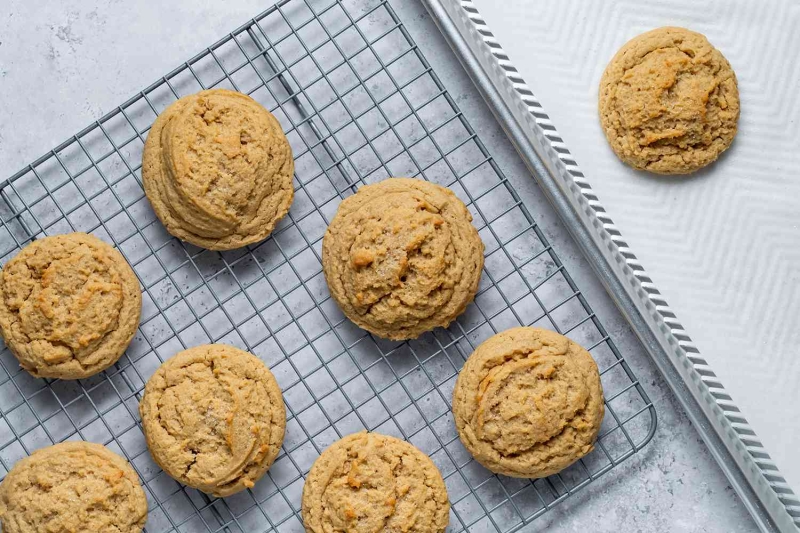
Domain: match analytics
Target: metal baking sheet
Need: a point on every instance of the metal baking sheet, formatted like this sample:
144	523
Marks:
359	102
719	246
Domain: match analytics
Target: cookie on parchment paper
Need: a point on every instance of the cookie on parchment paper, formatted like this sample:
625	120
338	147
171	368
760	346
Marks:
669	102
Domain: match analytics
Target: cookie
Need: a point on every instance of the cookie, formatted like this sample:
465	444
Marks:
669	102
368	482
218	169
528	403
79	487
401	257
213	418
69	306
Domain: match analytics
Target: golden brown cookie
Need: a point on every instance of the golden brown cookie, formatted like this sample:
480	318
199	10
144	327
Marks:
218	169
69	306
669	102
528	403
214	418
367	483
78	487
401	257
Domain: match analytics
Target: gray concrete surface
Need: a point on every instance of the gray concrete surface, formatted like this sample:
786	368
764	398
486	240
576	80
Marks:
63	64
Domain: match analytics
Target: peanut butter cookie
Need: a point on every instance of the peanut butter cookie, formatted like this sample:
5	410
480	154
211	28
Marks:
213	418
528	403
218	169
69	306
79	487
669	102
401	257
366	483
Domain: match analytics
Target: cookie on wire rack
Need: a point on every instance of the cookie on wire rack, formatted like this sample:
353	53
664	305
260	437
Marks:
72	486
528	403
69	306
217	169
214	418
401	257
368	482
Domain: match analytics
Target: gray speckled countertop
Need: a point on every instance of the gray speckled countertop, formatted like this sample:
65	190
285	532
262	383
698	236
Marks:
63	64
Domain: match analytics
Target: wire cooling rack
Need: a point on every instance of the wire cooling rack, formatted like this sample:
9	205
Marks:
359	103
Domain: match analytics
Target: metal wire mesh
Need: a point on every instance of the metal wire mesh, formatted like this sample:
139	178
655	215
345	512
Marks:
359	103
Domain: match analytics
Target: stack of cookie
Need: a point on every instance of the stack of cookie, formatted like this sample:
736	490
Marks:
401	257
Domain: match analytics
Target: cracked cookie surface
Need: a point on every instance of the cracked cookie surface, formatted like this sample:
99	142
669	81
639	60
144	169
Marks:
214	418
528	403
79	487
402	257
69	306
370	483
669	102
217	169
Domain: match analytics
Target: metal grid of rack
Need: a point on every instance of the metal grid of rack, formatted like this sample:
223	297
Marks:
359	103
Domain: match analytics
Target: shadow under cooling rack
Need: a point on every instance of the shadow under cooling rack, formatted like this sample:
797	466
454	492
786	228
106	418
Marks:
359	103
